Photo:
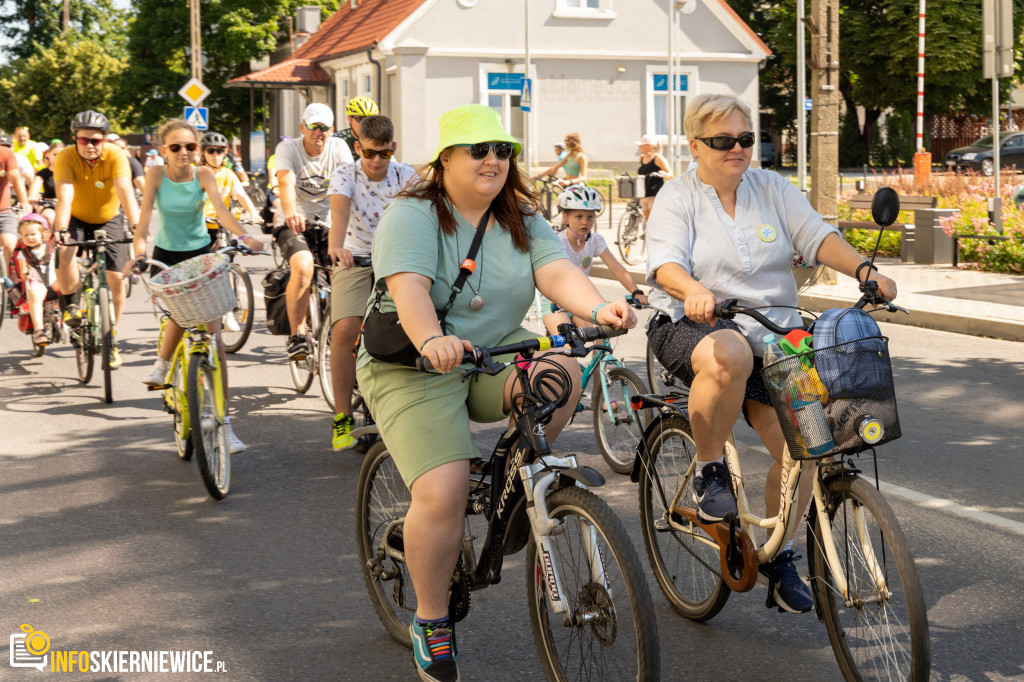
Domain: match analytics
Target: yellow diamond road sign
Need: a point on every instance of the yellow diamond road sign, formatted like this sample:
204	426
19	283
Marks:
194	91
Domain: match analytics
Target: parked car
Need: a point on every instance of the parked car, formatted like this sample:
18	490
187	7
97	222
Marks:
767	150
977	156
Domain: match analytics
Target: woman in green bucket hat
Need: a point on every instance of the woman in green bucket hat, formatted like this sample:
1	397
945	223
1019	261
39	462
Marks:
424	418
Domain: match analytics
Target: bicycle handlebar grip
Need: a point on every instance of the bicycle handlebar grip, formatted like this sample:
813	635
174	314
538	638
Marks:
723	309
423	364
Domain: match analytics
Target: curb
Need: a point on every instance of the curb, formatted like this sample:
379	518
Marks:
997	328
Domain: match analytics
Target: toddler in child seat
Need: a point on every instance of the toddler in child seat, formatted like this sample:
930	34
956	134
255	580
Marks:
33	273
579	205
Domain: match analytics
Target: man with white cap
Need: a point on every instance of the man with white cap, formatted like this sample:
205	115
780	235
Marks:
304	169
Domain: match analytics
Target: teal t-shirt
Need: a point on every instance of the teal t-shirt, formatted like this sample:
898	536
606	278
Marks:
180	212
408	239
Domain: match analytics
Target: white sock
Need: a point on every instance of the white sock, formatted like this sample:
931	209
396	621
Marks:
788	547
702	463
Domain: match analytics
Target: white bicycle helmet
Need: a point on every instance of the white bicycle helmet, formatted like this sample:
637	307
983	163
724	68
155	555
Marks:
579	198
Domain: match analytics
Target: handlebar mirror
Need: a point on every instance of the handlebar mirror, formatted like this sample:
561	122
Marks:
885	207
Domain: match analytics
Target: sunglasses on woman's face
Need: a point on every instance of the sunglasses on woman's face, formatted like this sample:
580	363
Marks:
479	151
724	143
384	153
175	148
215	150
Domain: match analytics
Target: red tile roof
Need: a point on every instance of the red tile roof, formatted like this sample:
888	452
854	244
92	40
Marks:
289	72
351	30
745	26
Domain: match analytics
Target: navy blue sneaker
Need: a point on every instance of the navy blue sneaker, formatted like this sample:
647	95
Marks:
785	587
712	493
433	647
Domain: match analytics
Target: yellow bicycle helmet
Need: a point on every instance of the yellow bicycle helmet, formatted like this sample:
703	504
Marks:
361	106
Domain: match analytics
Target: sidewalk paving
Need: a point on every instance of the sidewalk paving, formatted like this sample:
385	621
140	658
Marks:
937	296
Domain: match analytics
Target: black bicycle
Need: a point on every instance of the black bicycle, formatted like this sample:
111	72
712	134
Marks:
590	609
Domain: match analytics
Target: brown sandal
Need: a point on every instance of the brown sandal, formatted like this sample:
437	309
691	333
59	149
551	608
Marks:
41	338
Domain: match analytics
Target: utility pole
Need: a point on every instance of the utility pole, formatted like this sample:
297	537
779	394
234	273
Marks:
801	98
67	15
197	50
824	27
527	156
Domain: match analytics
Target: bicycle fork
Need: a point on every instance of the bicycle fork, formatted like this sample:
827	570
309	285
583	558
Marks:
537	480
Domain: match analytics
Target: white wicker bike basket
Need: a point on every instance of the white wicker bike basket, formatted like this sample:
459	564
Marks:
195	291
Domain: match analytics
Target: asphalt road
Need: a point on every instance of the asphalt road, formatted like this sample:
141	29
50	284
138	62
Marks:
111	543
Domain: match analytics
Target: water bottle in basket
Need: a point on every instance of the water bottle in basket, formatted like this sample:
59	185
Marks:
804	393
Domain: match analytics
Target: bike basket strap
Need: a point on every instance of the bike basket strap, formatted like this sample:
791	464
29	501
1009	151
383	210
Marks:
856	419
195	291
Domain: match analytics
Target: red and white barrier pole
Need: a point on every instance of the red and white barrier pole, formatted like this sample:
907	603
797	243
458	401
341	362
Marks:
922	159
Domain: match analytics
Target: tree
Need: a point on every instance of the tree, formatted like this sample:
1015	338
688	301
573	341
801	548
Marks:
31	25
48	88
234	32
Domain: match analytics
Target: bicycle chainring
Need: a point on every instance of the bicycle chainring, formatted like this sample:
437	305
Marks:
459	596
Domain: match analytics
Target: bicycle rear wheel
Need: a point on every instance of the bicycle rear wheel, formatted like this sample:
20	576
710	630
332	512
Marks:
3	291
209	437
106	343
685	559
631	237
275	253
382	500
880	632
303	370
323	356
617	427
81	339
236	324
609	631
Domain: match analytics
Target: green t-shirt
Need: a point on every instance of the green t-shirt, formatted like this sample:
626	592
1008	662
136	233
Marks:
408	239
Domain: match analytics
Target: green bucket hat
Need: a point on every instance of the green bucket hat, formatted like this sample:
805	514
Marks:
470	124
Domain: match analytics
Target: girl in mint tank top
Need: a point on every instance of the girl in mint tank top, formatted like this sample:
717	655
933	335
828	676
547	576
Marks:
178	190
574	163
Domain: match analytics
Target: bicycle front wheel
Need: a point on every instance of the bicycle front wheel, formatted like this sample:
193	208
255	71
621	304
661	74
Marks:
382	501
275	253
177	405
880	630
209	437
323	358
617	426
684	558
3	291
630	237
106	343
236	324
81	339
302	371
609	631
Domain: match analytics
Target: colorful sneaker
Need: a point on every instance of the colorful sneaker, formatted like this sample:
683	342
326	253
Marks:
115	357
712	493
298	349
786	589
158	375
73	316
342	431
433	647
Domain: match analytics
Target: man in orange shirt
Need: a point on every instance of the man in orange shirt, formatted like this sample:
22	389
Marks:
93	182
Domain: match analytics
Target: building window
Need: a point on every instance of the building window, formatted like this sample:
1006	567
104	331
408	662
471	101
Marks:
584	9
366	84
344	89
657	102
502	91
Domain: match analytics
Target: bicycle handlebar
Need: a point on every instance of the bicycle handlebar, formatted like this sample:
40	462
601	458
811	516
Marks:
234	247
575	338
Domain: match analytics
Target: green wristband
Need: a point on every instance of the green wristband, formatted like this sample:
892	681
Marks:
593	314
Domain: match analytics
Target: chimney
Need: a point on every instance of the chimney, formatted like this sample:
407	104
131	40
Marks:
307	19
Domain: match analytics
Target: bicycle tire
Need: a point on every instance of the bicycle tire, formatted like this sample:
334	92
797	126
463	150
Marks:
686	562
83	344
660	379
276	255
876	637
606	639
302	372
177	405
106	344
382	497
242	312
627	236
209	438
128	286
3	291
619	433
323	358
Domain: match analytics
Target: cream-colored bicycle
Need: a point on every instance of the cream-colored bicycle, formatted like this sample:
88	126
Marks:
866	588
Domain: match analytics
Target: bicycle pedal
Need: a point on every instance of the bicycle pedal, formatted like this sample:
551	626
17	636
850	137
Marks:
164	387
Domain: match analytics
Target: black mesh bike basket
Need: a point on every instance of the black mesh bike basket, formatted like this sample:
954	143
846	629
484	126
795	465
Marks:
860	409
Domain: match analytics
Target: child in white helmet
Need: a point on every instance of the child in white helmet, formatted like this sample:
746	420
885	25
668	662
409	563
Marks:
579	206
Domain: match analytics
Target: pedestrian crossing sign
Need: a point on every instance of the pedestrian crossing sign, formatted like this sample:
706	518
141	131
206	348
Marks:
198	117
526	94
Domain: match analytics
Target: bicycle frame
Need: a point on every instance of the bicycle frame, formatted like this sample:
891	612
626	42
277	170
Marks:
194	341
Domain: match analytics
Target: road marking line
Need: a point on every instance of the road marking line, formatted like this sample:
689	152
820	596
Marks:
938	503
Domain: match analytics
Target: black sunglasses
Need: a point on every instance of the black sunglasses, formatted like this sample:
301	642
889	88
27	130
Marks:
384	153
215	150
175	148
322	127
479	151
96	142
724	143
